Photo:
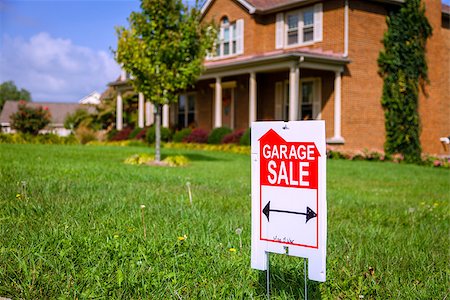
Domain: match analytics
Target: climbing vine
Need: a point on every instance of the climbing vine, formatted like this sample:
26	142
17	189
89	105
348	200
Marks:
403	66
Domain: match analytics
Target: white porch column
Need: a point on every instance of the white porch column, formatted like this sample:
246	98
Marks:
141	111
337	138
119	111
165	116
149	118
252	98
218	103
294	78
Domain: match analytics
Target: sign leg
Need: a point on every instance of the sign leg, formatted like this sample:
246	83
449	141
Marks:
268	276
306	280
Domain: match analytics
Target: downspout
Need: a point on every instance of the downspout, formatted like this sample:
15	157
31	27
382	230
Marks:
346	28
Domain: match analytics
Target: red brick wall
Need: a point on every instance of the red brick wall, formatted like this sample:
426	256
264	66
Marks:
435	109
362	114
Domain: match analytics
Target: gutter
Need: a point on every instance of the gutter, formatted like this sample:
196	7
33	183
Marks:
346	29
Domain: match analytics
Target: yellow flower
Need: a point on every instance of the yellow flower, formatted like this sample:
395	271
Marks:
232	250
182	238
18	196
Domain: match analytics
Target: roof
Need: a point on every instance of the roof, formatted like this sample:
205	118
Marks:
272	60
271	6
58	111
445	9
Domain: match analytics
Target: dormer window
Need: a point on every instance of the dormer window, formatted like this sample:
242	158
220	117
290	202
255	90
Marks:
299	27
230	40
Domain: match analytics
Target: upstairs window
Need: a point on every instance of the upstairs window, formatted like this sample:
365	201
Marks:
230	40
300	27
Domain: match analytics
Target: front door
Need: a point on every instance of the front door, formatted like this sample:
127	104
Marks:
228	107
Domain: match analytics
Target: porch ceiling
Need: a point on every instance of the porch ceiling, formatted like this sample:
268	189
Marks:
273	61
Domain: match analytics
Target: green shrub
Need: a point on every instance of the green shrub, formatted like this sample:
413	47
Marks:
134	133
85	135
30	120
166	135
77	118
245	138
49	138
111	134
180	135
176	161
139	159
217	134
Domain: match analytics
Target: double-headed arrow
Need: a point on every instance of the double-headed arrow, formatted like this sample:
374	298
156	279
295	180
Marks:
309	212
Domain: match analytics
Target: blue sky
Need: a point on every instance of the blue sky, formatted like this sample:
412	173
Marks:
59	50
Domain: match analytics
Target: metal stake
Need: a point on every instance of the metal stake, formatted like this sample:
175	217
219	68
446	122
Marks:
268	277
306	281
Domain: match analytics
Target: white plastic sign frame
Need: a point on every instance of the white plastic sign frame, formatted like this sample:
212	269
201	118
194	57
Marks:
289	209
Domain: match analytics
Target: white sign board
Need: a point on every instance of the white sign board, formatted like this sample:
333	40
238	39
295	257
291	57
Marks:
289	210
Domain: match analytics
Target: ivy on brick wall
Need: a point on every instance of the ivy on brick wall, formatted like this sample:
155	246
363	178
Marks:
403	66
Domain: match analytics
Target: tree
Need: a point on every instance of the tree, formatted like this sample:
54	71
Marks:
9	91
163	50
403	66
79	117
30	120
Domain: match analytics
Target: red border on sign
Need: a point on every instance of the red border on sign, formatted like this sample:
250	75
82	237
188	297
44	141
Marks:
294	244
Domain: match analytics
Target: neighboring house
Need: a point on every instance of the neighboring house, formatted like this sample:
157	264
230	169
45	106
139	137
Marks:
93	98
306	59
58	111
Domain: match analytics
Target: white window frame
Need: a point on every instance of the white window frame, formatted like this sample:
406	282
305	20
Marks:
186	110
282	29
316	101
235	41
300	27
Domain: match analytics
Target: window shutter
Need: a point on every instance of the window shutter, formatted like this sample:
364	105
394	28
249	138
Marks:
240	36
279	100
279	31
318	21
317	100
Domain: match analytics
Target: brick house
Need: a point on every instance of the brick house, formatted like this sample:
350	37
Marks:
306	59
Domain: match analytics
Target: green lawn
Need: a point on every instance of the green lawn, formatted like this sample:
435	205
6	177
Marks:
77	233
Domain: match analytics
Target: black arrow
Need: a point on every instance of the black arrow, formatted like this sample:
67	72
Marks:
309	212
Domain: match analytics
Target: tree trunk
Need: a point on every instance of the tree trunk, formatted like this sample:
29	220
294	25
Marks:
158	133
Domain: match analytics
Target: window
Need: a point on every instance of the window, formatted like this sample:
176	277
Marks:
230	40
299	27
310	103
306	108
186	111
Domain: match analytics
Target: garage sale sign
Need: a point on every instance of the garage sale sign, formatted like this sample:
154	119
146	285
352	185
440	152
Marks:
289	211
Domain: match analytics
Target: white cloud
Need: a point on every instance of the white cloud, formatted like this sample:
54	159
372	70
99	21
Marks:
55	69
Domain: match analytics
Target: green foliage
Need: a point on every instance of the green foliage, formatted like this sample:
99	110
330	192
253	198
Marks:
164	48
176	161
135	132
9	91
403	66
78	117
180	135
85	134
139	159
26	138
245	139
166	134
30	120
217	134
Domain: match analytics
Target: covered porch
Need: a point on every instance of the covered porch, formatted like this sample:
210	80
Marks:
279	86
